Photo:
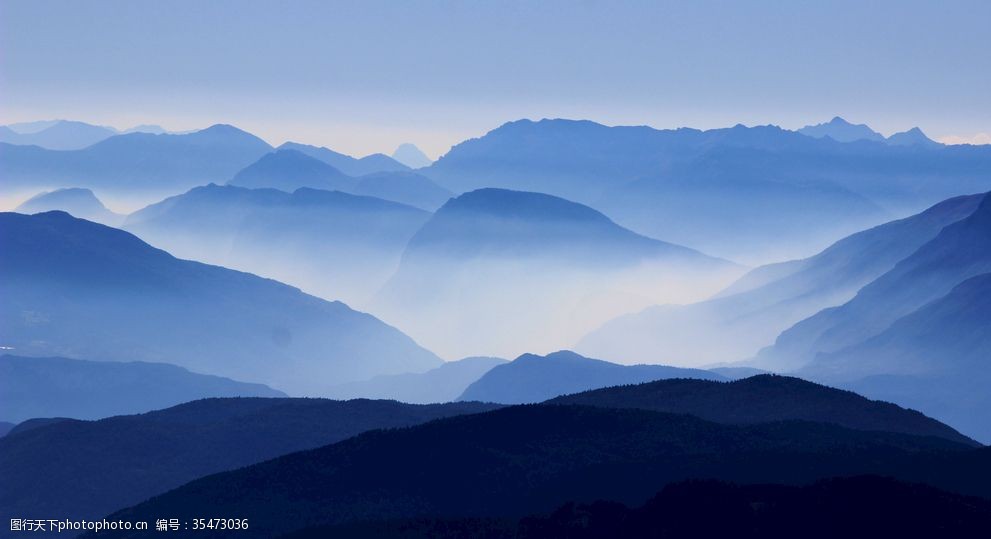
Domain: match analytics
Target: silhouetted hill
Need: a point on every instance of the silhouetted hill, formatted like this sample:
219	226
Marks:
405	187
443	384
862	506
79	289
411	156
752	312
5	427
123	460
60	135
841	130
724	191
79	202
531	378
334	244
288	170
135	162
464	274
763	399
60	387
351	166
530	459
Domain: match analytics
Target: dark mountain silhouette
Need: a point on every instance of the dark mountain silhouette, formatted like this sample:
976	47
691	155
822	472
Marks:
404	187
60	135
464	273
764	399
724	191
5	427
334	244
752	312
530	459
60	387
289	170
351	166
411	156
135	162
531	378
841	130
124	460
862	506
78	289
77	201
443	384
912	137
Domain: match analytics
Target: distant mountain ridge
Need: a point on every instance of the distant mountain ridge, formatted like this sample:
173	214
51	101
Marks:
60	387
531	378
330	243
411	156
442	384
135	162
840	130
154	307
289	169
58	135
351	166
723	191
77	201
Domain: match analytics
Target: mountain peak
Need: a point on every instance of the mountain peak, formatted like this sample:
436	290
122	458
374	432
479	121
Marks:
841	130
912	137
411	156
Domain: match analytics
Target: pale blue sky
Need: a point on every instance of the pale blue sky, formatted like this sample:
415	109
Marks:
365	76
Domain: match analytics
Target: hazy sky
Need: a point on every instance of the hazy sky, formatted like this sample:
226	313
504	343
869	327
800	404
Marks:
364	76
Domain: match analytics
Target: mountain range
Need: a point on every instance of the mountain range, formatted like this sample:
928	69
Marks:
134	163
531	378
724	191
840	130
59	387
330	243
464	273
351	166
58	270
290	169
750	314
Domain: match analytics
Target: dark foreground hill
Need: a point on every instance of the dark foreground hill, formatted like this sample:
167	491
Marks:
532	378
61	387
123	460
766	398
530	459
78	289
862	506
